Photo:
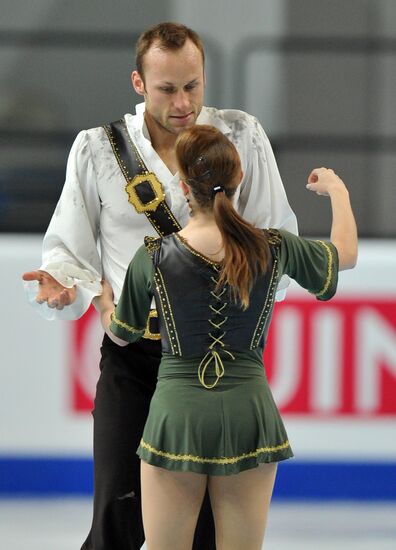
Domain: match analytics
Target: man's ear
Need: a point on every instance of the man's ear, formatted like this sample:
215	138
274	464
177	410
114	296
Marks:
137	83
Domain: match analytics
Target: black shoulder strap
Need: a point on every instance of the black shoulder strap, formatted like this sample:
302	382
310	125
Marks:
145	191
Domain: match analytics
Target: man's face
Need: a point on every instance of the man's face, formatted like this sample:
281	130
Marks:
173	87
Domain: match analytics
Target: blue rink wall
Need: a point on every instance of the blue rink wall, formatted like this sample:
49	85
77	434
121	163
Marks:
297	480
46	442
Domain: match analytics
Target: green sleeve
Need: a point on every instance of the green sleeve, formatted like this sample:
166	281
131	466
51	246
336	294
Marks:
129	319
313	264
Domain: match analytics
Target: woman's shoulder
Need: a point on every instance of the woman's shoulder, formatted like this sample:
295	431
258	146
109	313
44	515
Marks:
274	236
151	244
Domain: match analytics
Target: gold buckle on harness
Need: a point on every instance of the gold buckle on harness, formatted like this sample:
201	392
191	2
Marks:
155	186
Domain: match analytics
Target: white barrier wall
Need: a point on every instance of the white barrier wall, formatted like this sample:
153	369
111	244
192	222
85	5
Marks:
36	416
332	367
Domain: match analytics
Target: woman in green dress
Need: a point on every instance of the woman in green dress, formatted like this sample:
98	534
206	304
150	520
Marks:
213	422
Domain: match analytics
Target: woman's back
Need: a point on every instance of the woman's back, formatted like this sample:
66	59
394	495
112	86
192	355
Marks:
196	315
205	237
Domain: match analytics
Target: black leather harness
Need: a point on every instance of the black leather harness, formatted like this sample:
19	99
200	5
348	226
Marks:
145	191
145	194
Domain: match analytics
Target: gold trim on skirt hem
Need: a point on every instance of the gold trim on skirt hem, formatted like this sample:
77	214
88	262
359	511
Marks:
221	460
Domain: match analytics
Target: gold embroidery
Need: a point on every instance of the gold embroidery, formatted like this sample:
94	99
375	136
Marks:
184	242
125	326
144	176
152	244
148	335
139	160
115	151
269	300
167	313
134	149
222	460
275	237
329	270
170	215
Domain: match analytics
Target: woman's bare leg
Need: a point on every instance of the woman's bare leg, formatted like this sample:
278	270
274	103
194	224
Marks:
171	502
240	505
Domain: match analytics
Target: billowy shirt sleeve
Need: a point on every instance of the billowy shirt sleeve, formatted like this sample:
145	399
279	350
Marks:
70	252
262	199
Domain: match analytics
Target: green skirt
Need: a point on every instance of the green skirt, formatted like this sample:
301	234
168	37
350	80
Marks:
232	427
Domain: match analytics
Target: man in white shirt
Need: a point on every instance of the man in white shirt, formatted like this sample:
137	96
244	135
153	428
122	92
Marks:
94	233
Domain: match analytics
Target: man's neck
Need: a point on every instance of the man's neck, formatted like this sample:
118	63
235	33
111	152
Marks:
161	138
163	143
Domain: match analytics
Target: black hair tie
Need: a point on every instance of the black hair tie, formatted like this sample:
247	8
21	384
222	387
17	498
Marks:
217	189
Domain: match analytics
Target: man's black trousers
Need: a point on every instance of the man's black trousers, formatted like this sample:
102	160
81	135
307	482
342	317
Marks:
125	387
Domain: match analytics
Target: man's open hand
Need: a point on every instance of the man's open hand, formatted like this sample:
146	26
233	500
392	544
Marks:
50	291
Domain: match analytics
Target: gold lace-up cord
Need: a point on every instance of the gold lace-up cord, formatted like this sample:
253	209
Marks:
213	354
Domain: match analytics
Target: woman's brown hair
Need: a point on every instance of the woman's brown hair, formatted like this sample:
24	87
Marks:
209	163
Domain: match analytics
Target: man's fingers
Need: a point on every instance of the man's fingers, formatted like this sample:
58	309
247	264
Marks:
41	296
50	291
32	276
53	299
53	303
64	299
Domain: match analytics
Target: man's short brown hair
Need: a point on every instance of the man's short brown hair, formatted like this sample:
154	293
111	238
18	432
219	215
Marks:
167	36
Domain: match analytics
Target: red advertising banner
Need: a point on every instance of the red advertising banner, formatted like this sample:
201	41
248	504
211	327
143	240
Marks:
335	358
86	339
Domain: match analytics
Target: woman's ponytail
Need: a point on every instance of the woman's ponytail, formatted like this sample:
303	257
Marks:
246	250
210	165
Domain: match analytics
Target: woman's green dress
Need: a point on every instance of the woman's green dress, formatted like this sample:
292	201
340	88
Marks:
213	411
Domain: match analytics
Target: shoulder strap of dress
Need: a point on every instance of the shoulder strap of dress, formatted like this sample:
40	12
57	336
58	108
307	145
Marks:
145	191
274	237
153	245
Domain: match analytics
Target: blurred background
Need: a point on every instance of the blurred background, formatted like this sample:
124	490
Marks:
320	75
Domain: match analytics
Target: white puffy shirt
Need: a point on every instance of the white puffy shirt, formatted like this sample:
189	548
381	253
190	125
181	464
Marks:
94	231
